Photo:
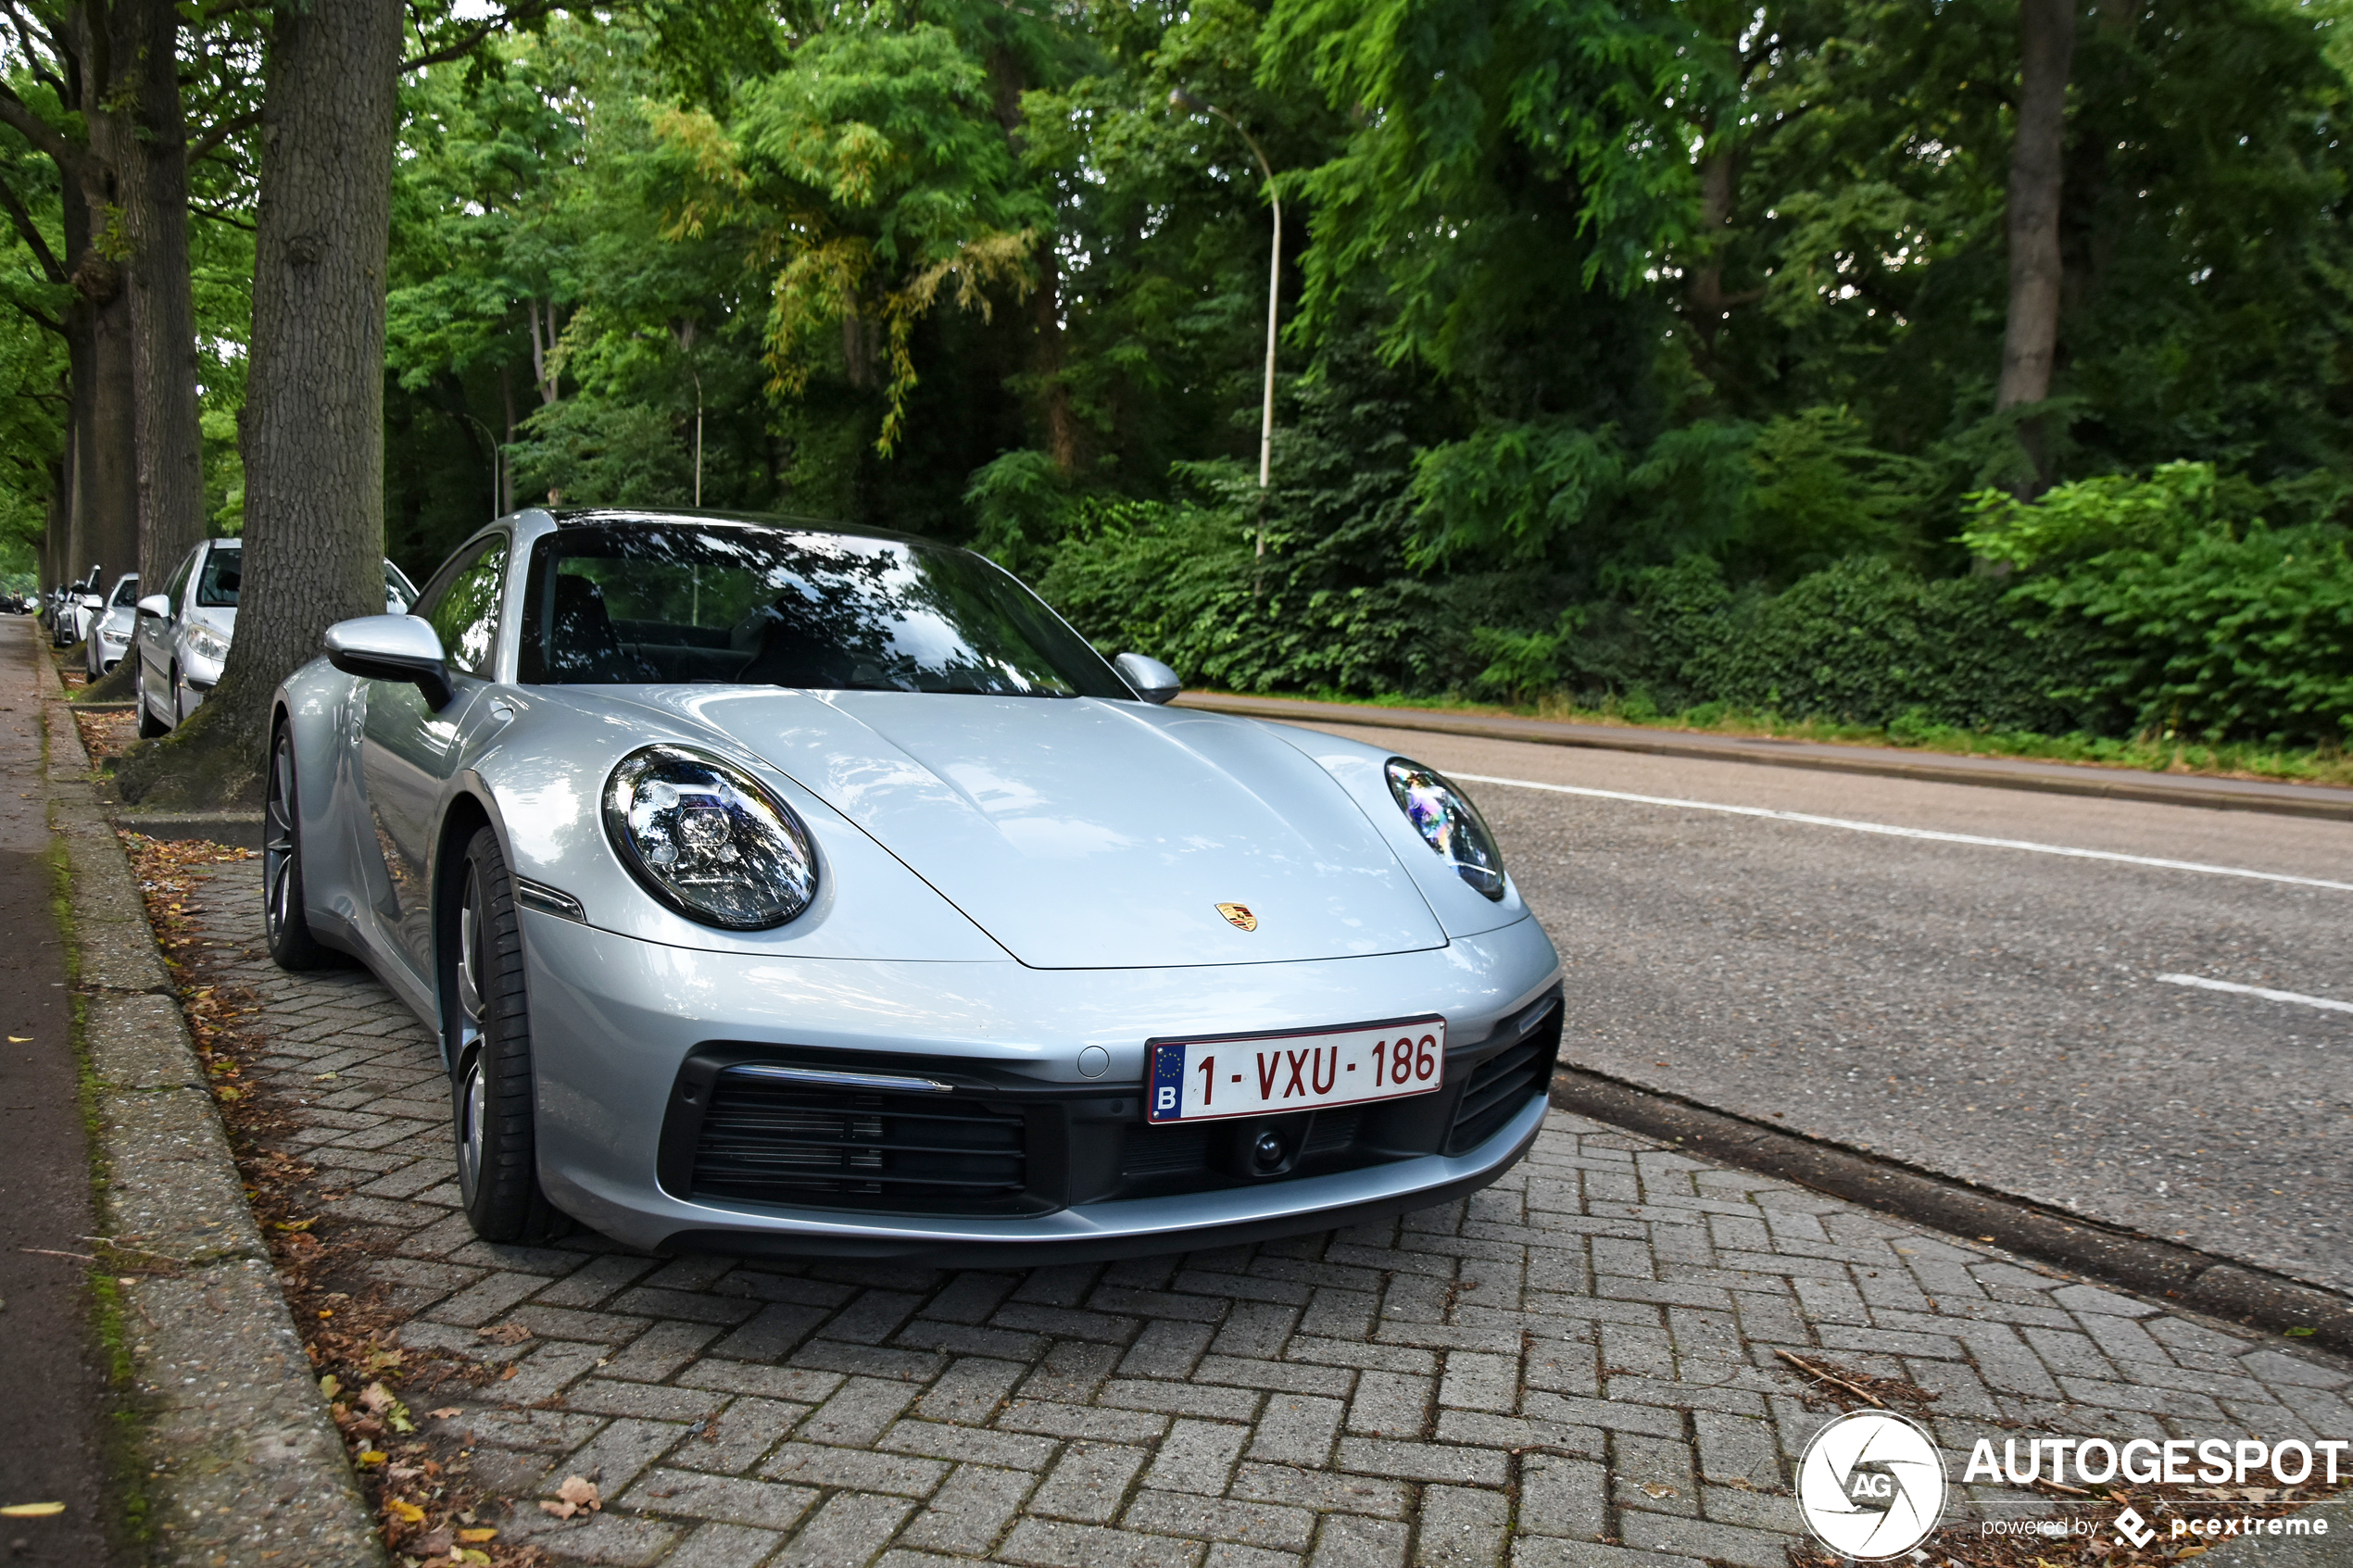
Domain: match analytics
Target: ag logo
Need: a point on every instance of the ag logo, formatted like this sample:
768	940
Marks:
1870	1485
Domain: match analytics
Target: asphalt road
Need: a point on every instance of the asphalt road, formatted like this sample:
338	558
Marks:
1989	1013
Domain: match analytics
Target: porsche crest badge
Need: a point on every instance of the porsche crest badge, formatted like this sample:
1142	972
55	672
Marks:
1239	915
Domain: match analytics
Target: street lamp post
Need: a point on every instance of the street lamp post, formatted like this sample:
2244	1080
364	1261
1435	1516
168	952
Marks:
1180	99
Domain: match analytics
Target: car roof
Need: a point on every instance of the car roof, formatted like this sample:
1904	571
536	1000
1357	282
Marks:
654	517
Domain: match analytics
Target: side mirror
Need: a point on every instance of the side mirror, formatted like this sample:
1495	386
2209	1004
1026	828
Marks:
392	647
156	605
1154	681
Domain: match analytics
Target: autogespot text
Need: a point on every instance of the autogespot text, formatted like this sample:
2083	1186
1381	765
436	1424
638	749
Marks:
2211	1461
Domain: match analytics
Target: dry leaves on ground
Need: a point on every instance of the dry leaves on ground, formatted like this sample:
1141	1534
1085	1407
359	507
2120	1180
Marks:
419	1483
577	1495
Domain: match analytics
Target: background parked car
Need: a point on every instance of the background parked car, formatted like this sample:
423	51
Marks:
108	637
69	611
182	632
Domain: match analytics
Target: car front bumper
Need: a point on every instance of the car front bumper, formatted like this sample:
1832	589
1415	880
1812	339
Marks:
630	1038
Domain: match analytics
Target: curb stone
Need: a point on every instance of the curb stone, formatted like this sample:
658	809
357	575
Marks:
2203	1281
242	1463
1996	773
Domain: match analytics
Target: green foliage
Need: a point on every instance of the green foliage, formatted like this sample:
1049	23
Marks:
2074	523
2244	636
605	454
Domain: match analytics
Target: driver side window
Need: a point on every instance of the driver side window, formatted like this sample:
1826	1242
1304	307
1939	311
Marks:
462	603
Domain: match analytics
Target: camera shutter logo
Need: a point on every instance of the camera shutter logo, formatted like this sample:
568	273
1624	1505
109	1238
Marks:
1871	1484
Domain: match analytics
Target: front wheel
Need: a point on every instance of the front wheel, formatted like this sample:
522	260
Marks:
283	921
150	725
491	1100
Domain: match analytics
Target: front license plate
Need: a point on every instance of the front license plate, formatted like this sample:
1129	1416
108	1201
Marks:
1254	1074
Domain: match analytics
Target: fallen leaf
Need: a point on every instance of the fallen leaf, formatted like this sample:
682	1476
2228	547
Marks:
20	1039
437	1544
403	1510
372	1456
297	1224
375	1397
579	1492
468	1554
1653	1488
484	1534
330	1385
561	1510
504	1334
445	1412
31	1509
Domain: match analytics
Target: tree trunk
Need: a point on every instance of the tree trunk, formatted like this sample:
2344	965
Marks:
2030	340
1047	362
312	428
103	525
152	163
106	490
1048	353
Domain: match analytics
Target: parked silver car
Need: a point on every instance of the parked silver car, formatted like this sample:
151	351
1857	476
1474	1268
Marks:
108	637
778	887
182	634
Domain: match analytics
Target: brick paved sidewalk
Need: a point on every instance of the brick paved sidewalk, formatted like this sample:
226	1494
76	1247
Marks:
1573	1368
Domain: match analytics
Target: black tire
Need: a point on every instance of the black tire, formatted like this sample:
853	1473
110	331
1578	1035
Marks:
287	927
492	1105
150	725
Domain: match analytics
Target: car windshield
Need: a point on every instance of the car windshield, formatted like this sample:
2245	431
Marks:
223	570
126	592
741	605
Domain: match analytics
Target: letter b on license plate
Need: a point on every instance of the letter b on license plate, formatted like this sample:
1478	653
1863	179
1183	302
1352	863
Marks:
1259	1074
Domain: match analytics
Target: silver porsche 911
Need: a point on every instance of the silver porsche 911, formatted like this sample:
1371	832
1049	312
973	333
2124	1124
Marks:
778	887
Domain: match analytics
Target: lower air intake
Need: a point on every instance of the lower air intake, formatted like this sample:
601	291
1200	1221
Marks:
1500	1087
768	1142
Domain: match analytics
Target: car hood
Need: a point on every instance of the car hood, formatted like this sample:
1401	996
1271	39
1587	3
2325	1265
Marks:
1083	834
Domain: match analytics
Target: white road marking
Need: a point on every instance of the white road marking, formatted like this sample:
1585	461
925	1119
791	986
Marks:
2270	996
1893	831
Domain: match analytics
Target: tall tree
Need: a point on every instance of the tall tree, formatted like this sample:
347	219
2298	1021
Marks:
104	104
2029	337
312	428
151	154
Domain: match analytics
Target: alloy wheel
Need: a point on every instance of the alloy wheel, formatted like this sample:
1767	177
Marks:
470	1116
472	1089
278	838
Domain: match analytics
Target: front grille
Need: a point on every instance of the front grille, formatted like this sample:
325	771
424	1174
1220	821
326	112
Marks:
1156	1154
1500	1086
1333	1130
770	1142
1165	1151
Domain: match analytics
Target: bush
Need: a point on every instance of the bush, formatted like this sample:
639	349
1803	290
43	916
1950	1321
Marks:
2232	638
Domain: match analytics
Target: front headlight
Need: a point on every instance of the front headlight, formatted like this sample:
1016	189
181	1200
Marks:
206	643
706	840
1449	823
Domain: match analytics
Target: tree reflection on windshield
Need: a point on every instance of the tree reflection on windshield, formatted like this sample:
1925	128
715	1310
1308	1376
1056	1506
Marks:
740	604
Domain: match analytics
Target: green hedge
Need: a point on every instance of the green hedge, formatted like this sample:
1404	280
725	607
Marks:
2196	630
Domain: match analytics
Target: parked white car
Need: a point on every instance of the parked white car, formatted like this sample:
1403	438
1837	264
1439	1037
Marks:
108	637
182	636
